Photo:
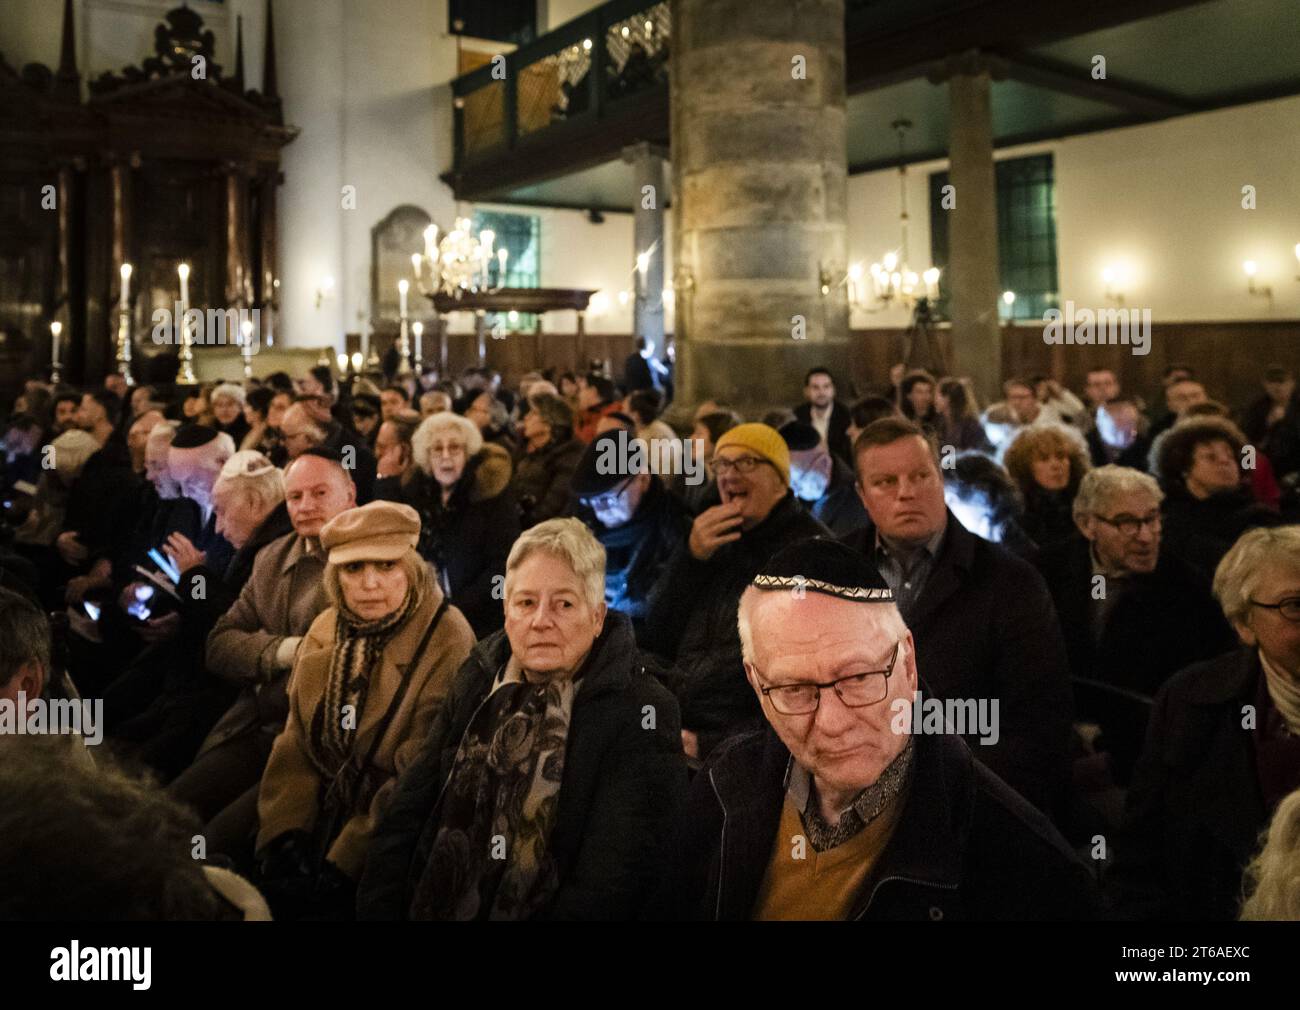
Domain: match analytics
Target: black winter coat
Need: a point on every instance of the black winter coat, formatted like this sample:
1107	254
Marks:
469	538
622	786
1166	620
542	478
1194	812
966	845
837	432
102	499
1200	531
692	623
984	627
638	553
840	509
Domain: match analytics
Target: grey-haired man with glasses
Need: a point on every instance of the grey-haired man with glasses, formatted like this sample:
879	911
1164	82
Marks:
1131	614
838	809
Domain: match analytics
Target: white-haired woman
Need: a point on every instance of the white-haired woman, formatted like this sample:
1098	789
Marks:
1223	747
248	501
553	769
369	676
460	486
228	401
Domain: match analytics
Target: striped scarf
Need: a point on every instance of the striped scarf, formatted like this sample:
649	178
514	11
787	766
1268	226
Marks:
358	649
1285	693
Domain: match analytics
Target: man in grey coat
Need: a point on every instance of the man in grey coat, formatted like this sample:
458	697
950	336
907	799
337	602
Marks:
254	644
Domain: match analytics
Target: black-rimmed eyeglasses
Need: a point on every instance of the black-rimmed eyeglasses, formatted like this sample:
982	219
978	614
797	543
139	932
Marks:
857	690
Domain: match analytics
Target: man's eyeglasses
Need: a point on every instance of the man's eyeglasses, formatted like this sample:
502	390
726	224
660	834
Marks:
1130	525
1288	608
609	499
743	464
857	690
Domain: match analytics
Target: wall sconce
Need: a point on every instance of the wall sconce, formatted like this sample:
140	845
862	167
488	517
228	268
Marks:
1251	270
324	288
1116	278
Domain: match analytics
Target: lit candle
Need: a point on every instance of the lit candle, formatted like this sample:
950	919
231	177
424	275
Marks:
358	359
931	282
431	241
417	261
402	287
125	295
246	331
417	328
56	329
502	256
184	271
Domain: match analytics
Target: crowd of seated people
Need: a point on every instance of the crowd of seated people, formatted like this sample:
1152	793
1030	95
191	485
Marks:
442	648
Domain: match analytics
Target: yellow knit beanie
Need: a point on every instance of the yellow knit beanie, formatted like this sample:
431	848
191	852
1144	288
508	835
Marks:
761	440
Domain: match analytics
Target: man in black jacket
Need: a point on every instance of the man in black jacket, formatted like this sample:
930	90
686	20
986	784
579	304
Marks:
823	482
982	617
849	806
1131	615
692	622
636	520
825	413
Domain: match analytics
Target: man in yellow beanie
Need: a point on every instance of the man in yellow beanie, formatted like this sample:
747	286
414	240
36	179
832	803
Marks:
692	619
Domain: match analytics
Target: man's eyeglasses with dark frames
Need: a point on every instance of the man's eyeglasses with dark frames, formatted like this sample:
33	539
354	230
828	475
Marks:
743	464
857	690
609	498
1130	525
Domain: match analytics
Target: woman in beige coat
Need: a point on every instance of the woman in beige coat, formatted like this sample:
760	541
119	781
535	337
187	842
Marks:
368	678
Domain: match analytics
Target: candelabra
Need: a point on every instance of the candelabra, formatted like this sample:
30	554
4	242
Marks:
460	263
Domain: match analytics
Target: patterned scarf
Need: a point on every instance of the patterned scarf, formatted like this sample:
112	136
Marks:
358	648
490	857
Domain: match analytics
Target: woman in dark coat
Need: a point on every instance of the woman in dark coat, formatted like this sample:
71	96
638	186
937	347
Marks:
958	422
1207	505
460	485
1222	748
1047	461
551	773
545	466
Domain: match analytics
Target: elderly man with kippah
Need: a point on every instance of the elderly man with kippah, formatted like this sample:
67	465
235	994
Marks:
692	622
846	805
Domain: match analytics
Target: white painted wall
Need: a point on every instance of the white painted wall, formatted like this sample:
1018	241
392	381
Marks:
559	11
1165	199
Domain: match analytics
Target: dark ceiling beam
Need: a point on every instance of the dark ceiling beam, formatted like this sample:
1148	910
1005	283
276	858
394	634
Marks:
1078	82
879	49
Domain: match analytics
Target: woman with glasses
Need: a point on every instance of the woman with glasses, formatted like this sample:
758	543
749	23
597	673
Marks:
1223	747
552	771
1208	501
460	486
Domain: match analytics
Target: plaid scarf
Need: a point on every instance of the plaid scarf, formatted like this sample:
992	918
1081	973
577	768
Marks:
490	857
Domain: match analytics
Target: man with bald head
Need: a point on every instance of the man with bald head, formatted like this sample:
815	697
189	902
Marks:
304	428
846	805
254	643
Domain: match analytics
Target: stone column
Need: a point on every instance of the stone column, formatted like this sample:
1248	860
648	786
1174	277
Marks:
648	231
973	231
759	197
